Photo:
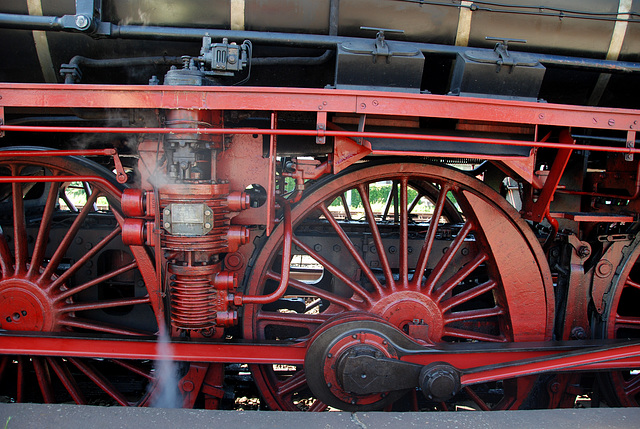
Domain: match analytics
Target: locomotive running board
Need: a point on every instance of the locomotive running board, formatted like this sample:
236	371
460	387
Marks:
478	362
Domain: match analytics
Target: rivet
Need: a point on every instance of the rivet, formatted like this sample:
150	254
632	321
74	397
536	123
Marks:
363	106
541	116
207	225
612	122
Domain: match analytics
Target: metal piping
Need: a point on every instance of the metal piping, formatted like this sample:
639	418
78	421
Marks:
316	133
285	267
109	30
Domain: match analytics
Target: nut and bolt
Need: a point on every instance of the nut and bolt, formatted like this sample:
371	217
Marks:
584	251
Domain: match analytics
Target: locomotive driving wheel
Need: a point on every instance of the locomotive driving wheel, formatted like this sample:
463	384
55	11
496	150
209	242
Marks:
64	269
621	319
441	257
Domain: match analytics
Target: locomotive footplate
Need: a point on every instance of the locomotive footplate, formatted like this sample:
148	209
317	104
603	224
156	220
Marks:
355	362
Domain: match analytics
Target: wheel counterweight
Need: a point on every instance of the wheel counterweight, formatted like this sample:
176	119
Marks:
443	259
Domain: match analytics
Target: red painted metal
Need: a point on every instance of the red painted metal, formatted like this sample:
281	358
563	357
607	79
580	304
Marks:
103	181
309	99
47	153
481	364
410	300
329	133
537	210
142	349
239	299
36	296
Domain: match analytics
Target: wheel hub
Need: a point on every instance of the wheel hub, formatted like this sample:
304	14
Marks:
414	313
352	364
23	307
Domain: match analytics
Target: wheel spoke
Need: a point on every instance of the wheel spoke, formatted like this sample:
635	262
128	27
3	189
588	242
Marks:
355	287
462	274
77	322
633	284
475	398
63	373
377	238
68	238
472	335
44	379
316	291
20	381
632	387
627	322
404	234
446	259
467	295
133	368
473	314
391	198
42	239
80	262
103	278
295	383
429	239
20	243
123	302
345	205
289	319
6	260
353	251
100	381
415	201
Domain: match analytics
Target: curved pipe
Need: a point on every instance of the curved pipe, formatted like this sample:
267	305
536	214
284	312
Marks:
286	261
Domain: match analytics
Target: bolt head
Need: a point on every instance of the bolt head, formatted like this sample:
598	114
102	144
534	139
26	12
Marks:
82	22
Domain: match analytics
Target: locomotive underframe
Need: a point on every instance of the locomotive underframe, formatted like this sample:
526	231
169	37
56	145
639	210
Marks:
248	155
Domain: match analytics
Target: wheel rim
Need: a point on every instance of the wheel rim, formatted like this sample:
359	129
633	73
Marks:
67	271
622	320
472	288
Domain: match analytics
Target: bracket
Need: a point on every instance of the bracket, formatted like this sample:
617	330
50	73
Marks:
321	127
631	142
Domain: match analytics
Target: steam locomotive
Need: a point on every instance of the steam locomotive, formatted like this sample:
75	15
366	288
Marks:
335	204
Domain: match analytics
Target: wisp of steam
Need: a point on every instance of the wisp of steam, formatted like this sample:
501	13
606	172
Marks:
166	393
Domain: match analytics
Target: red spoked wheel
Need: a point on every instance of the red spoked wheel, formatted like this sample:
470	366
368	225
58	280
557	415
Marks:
621	319
442	257
64	269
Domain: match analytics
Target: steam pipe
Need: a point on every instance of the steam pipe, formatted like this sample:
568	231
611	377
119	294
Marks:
286	261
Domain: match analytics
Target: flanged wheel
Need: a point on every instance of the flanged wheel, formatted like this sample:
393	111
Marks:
432	251
64	269
621	319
